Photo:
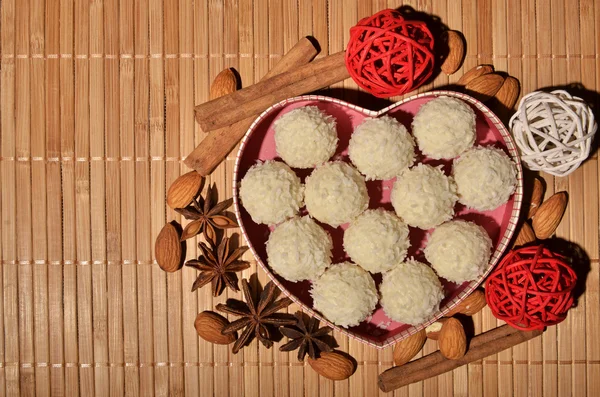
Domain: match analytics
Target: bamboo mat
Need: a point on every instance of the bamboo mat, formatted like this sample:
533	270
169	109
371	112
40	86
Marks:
96	113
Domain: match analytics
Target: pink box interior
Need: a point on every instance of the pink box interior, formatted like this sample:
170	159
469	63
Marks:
378	329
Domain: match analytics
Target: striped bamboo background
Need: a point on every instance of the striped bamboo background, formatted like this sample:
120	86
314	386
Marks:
96	111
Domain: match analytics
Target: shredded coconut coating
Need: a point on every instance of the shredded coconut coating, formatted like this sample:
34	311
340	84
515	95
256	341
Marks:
486	177
411	292
424	196
271	192
305	137
381	148
299	249
444	127
459	250
336	193
345	294
377	240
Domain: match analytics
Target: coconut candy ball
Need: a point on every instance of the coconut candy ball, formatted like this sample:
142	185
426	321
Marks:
377	240
424	196
305	137
459	250
271	192
345	294
411	292
486	177
444	127
381	148
299	249
336	193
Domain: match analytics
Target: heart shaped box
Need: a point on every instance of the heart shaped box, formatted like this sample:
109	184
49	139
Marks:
377	330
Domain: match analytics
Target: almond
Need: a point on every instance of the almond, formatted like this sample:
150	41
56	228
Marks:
453	340
333	365
456	52
470	305
407	348
537	196
549	214
209	326
526	235
433	330
167	248
225	83
183	190
484	87
474	73
508	94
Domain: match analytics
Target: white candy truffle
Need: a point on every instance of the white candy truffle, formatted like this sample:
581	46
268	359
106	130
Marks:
305	137
381	148
336	193
444	127
271	192
345	294
424	196
411	292
459	250
299	249
485	177
377	240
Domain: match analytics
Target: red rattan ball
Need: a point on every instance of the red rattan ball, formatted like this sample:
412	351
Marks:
388	56
531	288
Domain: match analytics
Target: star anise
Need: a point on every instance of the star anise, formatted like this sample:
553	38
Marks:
258	317
218	266
205	217
307	337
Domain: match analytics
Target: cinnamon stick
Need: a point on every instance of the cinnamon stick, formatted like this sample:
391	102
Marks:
216	146
434	364
254	99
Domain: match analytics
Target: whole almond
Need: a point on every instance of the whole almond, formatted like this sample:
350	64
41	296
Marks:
209	326
485	87
470	305
183	189
167	249
508	94
456	52
537	196
452	340
475	72
407	348
225	83
433	330
333	365
549	214
526	235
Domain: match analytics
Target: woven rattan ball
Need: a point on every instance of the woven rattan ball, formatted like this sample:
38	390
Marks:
388	56
531	288
553	131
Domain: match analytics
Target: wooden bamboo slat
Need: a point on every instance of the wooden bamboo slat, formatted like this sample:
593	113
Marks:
38	206
114	225
23	237
126	350
9	227
142	347
96	113
590	178
56	325
158	279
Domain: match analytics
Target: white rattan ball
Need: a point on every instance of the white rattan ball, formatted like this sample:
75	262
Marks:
553	131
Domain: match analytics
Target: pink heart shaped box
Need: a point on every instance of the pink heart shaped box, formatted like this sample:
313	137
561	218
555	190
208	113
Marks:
378	330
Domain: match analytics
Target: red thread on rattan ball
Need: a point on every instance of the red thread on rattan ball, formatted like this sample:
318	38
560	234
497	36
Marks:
531	288
388	56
